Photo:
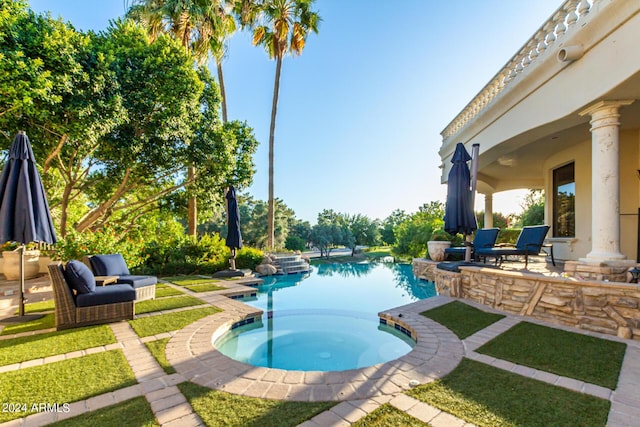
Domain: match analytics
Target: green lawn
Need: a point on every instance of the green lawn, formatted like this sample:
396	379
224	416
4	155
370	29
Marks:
37	307
154	325
189	280
488	396
205	287
163	290
462	319
157	348
572	355
167	304
388	416
47	321
134	412
66	381
51	343
217	408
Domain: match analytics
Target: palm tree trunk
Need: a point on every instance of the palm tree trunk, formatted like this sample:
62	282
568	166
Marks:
223	94
272	133
192	205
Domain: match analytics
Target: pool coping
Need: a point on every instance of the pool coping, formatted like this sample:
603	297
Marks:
436	353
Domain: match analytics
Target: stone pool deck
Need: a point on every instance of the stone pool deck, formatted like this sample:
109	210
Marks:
360	391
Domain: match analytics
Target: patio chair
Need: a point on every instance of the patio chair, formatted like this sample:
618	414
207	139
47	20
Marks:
113	266
78	302
484	238
529	242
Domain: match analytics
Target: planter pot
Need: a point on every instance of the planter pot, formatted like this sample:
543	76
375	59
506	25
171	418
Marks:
436	249
11	267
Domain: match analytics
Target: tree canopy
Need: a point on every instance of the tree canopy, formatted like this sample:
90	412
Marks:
114	119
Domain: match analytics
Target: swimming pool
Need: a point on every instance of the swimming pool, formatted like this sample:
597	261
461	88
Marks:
327	320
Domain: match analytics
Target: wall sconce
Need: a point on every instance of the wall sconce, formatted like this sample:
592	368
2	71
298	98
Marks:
570	53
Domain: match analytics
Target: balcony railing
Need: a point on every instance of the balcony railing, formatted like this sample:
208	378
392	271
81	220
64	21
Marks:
567	16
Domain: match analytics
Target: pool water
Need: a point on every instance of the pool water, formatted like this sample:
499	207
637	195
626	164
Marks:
327	320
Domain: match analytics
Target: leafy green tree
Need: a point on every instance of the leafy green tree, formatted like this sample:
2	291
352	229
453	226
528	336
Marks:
299	232
499	220
197	25
284	28
389	224
120	118
363	230
413	233
533	208
253	217
326	237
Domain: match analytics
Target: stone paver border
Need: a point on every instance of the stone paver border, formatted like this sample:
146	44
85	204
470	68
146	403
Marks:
436	353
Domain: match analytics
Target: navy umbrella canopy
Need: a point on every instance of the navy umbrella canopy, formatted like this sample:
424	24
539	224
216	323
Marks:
24	210
459	216
234	237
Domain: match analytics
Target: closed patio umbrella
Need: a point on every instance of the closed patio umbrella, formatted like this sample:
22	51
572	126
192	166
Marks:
459	216
24	210
234	237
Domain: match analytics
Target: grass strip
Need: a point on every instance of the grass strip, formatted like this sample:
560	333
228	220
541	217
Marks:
47	321
133	412
151	305
38	307
63	382
462	319
205	287
217	408
387	415
189	280
153	325
163	290
31	347
581	357
488	396
157	348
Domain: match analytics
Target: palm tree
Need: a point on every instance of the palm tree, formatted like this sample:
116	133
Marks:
201	26
285	28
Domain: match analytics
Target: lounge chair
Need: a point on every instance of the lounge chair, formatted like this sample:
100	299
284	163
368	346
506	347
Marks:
79	302
529	242
113	266
484	238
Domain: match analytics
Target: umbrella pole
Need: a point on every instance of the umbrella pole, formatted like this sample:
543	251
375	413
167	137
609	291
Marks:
21	301
475	151
232	260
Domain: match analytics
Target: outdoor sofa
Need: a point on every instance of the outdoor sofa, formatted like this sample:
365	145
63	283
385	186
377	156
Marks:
530	242
113	266
484	238
79	302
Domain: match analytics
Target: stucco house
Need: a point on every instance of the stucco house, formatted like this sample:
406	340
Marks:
563	115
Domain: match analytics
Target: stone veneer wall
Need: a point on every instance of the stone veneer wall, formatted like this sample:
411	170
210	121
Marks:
607	307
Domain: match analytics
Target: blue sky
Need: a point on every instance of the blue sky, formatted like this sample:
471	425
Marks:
361	111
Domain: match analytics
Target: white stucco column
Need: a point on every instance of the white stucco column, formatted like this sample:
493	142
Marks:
605	181
488	210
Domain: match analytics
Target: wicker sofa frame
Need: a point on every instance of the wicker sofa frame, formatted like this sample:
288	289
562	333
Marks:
68	315
142	293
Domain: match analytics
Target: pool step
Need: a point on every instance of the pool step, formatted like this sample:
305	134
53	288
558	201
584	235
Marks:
290	264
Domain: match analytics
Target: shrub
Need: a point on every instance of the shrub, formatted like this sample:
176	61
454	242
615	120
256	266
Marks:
441	235
76	245
508	235
295	243
248	258
186	255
